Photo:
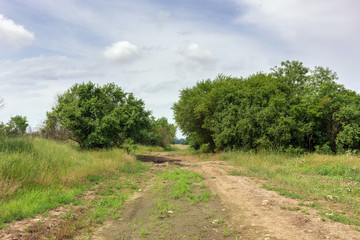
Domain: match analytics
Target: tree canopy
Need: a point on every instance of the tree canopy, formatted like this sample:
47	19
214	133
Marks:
292	107
15	127
98	116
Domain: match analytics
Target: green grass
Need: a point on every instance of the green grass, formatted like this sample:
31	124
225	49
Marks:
38	174
327	180
183	183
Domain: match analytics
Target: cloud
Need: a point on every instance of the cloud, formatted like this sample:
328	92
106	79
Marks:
122	51
14	33
202	56
296	20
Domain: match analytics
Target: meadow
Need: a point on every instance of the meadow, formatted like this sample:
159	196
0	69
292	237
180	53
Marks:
38	174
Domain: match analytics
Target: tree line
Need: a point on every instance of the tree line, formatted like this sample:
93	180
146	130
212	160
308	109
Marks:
292	108
98	117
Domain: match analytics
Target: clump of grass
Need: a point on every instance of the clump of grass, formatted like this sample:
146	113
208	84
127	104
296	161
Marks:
283	191
290	208
183	186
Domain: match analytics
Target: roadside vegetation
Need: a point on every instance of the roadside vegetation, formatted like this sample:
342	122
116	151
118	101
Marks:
327	183
39	174
88	137
105	116
291	109
295	129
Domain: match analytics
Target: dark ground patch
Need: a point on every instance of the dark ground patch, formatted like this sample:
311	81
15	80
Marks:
158	159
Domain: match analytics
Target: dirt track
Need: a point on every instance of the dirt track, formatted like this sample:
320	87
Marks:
253	208
256	213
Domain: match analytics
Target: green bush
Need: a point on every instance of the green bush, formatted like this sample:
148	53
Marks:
291	106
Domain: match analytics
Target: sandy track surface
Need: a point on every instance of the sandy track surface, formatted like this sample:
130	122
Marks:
253	208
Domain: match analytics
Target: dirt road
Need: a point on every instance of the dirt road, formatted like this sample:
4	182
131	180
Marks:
257	210
242	209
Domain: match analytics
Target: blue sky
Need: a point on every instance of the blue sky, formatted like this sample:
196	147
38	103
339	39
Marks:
155	48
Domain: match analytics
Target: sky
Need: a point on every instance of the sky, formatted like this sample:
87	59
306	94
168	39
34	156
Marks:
156	48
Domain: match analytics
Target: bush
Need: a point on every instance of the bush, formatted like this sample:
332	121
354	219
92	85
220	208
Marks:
98	116
205	148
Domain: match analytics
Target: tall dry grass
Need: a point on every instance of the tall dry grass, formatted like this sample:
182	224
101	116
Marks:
38	174
40	162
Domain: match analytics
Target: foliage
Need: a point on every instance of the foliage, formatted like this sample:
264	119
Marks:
129	146
98	117
15	127
291	109
160	133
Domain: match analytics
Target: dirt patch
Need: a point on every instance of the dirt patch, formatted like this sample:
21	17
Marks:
152	215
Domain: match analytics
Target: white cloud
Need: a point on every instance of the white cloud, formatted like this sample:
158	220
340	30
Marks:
194	52
299	20
122	52
14	33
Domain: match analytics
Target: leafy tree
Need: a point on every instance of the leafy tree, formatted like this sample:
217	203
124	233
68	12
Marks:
181	141
98	116
160	133
292	108
15	127
166	132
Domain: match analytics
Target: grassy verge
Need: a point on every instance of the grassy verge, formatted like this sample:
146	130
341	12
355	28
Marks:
333	181
101	202
38	174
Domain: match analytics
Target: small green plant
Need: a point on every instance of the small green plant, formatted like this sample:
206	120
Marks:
144	232
236	174
290	208
305	212
129	146
282	191
226	232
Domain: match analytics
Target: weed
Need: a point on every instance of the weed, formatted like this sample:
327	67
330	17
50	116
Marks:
205	196
225	232
314	204
236	174
283	191
144	232
290	208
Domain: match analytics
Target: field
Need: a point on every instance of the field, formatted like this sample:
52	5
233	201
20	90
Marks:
52	190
